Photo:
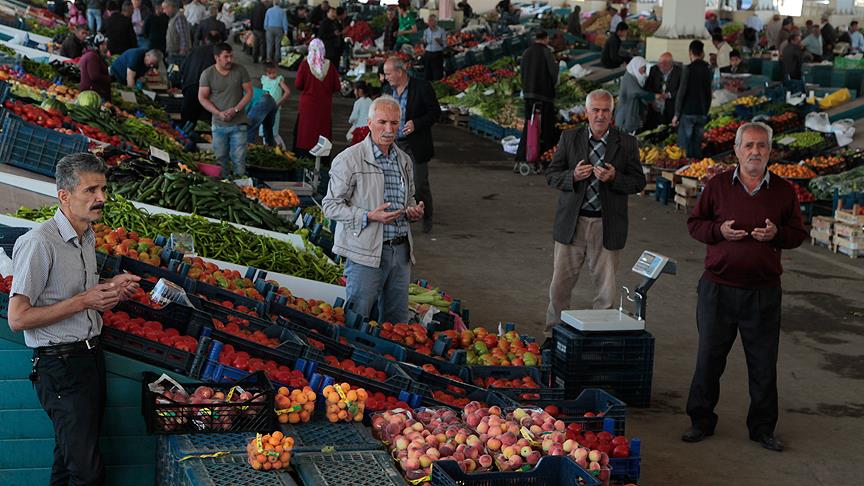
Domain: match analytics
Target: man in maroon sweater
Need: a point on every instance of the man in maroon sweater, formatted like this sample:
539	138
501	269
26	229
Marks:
746	217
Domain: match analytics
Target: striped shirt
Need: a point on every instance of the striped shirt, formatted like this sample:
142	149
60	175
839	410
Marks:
595	156
403	105
50	265
394	190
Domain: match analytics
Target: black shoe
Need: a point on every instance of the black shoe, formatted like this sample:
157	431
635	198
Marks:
695	434
768	441
549	343
427	226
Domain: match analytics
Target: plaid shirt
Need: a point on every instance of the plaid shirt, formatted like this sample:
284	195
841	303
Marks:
394	190
595	156
183	33
403	105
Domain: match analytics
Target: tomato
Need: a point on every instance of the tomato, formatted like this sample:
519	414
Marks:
621	452
619	440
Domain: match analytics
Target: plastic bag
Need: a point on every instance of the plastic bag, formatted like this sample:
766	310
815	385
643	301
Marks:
510	144
818	121
577	71
844	130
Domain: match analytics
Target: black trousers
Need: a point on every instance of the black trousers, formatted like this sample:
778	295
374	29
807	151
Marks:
258	48
722	312
422	189
433	65
72	391
548	132
191	109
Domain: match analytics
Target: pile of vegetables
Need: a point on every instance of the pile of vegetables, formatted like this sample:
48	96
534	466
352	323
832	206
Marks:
276	158
845	182
220	241
202	195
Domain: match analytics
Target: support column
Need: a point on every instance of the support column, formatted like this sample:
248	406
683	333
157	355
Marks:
683	21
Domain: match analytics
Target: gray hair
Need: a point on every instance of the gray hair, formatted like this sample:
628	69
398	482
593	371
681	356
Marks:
384	100
599	93
397	63
753	126
70	167
155	53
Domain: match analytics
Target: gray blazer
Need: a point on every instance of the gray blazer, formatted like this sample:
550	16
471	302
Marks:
622	152
630	108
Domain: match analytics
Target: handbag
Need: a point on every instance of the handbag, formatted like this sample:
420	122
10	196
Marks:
532	144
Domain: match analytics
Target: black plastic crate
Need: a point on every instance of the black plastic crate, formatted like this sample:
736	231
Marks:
36	148
361	468
489	397
172	449
576	350
591	400
8	237
396	376
171	103
549	471
321	435
232	469
632	388
226	315
144	270
369	384
186	320
218	295
165	416
302	319
373	343
290	346
426	382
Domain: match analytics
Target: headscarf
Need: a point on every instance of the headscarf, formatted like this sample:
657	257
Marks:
633	68
95	40
315	58
227	15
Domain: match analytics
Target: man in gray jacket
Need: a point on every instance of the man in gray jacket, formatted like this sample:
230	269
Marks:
595	169
179	39
371	197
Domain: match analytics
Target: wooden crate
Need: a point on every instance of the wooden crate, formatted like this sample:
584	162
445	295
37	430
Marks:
852	248
689	182
854	233
817	236
850	216
686	191
671	176
682	202
823	223
649	189
650	173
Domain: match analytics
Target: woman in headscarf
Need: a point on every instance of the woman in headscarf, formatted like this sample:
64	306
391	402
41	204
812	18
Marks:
94	68
226	16
633	97
317	80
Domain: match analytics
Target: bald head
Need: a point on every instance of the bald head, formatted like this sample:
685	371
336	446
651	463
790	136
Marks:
665	62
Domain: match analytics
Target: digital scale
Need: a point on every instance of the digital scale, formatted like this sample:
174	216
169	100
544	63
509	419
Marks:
309	186
649	265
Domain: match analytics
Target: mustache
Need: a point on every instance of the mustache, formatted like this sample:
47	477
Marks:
97	206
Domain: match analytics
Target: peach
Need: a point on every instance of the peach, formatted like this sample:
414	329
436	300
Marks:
493	444
515	461
509	451
533	458
594	456
485	461
525	451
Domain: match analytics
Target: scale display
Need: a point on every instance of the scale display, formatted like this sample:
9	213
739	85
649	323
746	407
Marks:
650	264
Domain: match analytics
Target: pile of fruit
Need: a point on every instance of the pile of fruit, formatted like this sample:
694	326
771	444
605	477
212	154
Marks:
825	163
697	170
274	371
803	194
343	403
6	283
750	101
720	121
476	74
350	366
219	412
233	328
792	171
785	121
151	330
804	139
489	381
489	349
270	452
286	198
295	406
411	335
722	136
649	155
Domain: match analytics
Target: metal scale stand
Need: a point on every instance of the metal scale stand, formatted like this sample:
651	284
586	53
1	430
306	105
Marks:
308	186
649	265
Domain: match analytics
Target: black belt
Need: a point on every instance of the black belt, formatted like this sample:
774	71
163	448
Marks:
587	213
397	241
77	347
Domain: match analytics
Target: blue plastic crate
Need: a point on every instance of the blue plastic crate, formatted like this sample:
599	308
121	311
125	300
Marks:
321	435
549	471
8	237
368	341
626	469
232	469
361	468
485	127
171	449
36	148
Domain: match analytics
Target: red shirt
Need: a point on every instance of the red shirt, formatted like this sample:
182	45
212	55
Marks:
746	263
94	74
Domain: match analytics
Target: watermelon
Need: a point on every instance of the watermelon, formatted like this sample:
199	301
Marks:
90	99
52	105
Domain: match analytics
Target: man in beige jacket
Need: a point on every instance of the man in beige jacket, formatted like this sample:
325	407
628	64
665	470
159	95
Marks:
371	197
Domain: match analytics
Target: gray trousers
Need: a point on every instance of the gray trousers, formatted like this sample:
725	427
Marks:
274	44
422	190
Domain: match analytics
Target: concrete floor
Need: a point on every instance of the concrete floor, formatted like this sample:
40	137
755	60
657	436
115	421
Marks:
492	247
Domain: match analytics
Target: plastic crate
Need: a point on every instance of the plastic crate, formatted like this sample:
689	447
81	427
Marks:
371	385
379	345
426	382
601	403
232	469
4	305
181	418
186	320
489	397
303	319
171	449
321	435
217	295
226	314
290	347
331	346
36	148
632	388
361	468
575	350
8	236
549	471
144	270
626	470
171	103
484	127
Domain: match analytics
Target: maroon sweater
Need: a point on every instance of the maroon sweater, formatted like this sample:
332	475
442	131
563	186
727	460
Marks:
746	263
94	74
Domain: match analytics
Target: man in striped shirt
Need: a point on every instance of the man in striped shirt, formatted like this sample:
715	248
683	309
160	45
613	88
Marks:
55	300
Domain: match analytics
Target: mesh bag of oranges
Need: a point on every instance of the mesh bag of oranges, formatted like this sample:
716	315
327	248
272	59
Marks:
295	406
345	404
270	451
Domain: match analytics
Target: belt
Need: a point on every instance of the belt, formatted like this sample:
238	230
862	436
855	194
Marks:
397	241
84	346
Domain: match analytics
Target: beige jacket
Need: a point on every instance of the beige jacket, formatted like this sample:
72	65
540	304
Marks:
356	187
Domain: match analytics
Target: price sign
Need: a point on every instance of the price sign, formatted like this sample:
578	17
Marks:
128	97
158	153
149	94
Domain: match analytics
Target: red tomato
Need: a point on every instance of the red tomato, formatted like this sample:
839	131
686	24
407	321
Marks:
621	452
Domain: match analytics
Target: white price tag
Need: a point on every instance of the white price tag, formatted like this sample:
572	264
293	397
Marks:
461	95
149	94
489	92
159	154
128	97
786	140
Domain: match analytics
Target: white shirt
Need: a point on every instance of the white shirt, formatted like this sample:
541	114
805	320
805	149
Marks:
857	41
723	55
613	24
755	23
194	12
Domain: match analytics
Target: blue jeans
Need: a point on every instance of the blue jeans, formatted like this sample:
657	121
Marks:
386	285
94	20
690	130
262	114
230	139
